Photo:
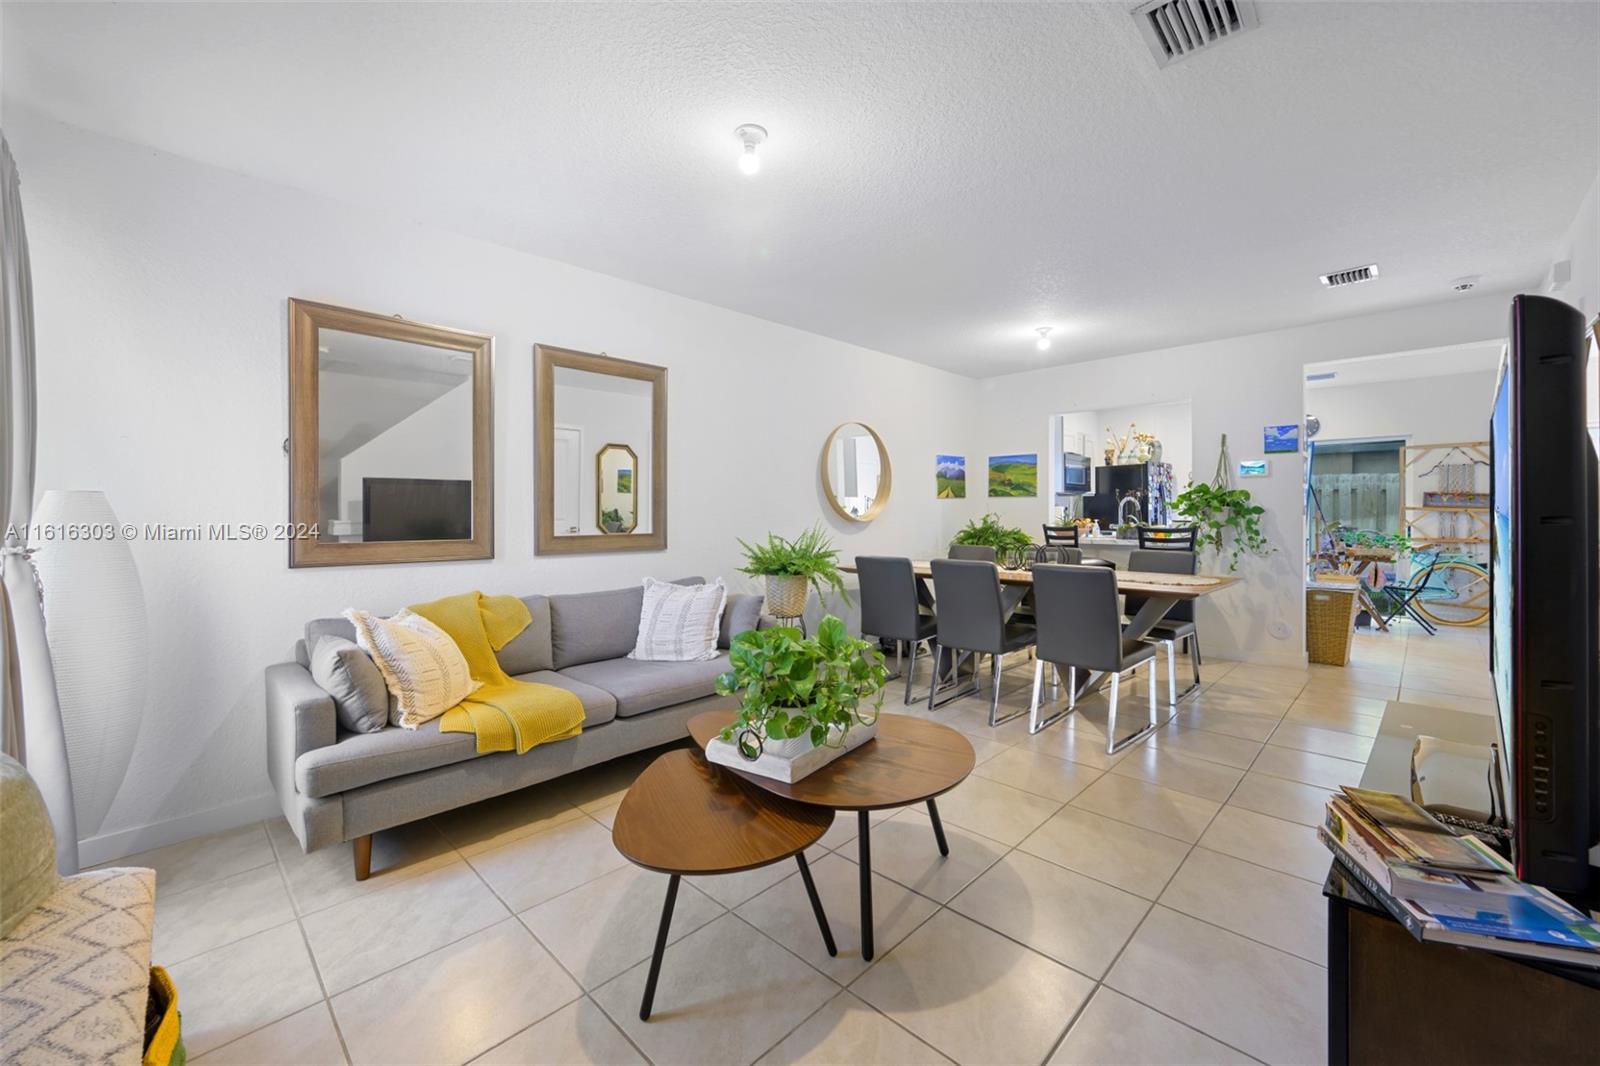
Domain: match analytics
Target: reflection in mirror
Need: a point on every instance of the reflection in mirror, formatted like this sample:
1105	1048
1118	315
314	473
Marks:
856	472
394	439
616	471
604	427
391	439
601	453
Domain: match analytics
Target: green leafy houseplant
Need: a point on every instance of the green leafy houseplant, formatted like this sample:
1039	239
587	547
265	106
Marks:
797	686
1224	519
611	519
988	531
810	555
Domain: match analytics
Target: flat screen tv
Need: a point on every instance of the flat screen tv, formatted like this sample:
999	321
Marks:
1544	586
416	508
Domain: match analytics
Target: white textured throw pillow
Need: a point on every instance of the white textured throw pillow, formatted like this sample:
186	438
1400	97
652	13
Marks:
421	666
679	623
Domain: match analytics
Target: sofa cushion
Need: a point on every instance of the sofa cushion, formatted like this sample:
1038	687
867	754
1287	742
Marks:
742	613
588	627
641	687
530	650
348	674
365	758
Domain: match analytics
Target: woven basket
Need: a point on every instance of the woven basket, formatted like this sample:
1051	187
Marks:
786	595
1330	621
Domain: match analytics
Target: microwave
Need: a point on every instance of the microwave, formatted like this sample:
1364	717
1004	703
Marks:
1074	474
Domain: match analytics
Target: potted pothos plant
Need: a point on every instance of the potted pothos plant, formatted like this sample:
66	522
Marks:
990	532
793	566
803	701
1224	518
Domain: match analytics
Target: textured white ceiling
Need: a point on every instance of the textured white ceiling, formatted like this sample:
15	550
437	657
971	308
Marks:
940	178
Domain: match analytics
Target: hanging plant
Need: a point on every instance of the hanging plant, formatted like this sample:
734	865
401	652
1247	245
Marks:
1224	518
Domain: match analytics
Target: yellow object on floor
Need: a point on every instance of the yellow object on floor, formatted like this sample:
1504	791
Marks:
506	715
164	1038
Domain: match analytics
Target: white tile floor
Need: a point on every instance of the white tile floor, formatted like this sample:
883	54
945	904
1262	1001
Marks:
1162	907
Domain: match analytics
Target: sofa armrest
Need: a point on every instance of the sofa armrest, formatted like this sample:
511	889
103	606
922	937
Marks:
300	717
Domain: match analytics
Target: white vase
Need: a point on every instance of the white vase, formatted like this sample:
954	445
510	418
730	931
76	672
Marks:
790	759
95	625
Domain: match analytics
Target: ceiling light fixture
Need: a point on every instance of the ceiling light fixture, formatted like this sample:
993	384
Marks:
1043	343
751	136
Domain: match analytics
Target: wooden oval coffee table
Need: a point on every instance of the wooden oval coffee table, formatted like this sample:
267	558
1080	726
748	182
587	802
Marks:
684	816
910	761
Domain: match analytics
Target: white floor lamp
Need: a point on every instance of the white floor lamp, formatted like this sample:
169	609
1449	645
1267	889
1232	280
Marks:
95	621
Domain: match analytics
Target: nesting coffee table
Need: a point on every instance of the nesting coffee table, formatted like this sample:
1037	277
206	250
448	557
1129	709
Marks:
910	761
684	816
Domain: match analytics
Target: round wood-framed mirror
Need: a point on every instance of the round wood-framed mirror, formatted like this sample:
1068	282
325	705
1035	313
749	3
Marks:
856	477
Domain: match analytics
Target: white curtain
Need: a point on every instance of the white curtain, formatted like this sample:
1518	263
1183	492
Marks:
31	717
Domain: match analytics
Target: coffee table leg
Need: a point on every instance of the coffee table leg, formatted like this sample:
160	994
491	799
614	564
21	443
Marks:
816	903
938	828
864	844
661	949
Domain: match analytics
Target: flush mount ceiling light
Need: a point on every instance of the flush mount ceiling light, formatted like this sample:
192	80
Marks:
1043	343
751	136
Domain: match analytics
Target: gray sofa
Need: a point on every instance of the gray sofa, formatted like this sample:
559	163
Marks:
336	785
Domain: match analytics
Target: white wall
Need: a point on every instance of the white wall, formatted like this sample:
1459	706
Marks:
1450	407
1581	246
159	296
1235	386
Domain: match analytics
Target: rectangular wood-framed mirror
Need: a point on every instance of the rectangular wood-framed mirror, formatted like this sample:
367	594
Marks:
391	439
601	448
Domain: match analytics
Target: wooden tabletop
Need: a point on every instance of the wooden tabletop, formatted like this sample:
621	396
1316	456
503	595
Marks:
686	816
909	761
1138	582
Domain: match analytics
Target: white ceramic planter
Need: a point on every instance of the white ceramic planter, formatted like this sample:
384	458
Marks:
790	759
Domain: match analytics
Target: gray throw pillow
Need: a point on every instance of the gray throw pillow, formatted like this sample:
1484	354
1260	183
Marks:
348	674
742	613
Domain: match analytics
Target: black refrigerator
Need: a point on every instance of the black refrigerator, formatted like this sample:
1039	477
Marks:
1150	483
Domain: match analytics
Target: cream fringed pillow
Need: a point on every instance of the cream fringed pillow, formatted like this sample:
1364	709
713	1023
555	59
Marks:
421	666
679	623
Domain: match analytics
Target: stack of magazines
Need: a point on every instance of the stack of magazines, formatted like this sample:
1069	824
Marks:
1451	889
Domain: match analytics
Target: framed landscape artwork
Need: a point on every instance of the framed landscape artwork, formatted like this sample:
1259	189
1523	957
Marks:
1280	438
1014	475
625	481
950	476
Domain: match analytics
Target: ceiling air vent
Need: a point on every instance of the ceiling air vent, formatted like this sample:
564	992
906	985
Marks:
1177	29
1351	276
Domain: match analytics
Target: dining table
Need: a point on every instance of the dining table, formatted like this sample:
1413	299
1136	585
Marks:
1161	592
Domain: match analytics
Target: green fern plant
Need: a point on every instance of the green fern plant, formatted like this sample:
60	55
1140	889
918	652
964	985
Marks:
811	555
989	532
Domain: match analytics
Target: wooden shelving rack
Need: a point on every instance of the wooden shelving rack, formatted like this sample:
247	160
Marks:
1442	525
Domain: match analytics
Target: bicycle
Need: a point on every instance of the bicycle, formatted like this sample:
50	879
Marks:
1450	590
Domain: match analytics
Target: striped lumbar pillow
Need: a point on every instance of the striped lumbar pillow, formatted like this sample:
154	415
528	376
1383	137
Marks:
421	666
679	622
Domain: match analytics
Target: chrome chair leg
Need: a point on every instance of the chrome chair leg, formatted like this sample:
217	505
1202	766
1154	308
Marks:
1194	656
1034	722
994	703
1112	744
955	673
1111	720
1172	671
911	669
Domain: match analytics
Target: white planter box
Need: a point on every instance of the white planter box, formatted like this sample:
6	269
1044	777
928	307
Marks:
788	760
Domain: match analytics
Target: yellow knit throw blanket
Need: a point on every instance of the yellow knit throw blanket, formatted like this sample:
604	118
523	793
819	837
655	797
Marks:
506	715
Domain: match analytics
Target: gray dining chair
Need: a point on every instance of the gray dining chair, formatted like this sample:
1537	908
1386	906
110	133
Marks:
1080	627
891	609
1167	538
972	621
1178	623
1057	553
981	552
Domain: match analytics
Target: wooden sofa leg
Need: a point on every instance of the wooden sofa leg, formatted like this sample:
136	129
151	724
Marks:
363	856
